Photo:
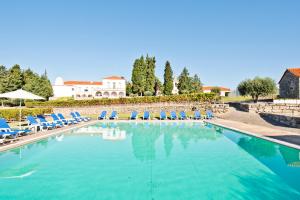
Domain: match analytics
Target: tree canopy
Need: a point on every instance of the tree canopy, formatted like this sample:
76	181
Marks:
15	78
168	79
196	85
184	82
257	87
145	82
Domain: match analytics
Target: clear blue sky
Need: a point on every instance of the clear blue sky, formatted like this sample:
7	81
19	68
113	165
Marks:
222	41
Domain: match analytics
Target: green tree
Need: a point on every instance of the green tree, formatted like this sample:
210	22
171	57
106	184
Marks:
138	77
184	82
158	86
128	88
168	79
196	85
216	90
31	81
150	74
257	87
14	78
45	89
3	79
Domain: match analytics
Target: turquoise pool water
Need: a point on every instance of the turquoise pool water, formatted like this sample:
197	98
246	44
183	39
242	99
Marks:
155	161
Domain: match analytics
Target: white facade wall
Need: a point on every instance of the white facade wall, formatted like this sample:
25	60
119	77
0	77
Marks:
110	88
222	93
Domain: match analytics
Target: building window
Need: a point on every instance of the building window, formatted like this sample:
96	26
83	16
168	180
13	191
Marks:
86	90
72	89
114	85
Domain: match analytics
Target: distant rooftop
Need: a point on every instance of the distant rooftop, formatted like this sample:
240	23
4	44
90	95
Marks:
115	78
295	71
82	83
211	87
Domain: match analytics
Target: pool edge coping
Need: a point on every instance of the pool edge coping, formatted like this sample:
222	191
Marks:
55	132
295	146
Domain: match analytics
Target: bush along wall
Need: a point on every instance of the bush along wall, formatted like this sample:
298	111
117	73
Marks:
199	97
14	113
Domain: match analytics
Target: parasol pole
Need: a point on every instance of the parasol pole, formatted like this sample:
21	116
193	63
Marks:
20	114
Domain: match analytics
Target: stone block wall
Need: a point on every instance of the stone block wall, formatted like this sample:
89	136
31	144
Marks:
153	108
289	86
290	121
283	109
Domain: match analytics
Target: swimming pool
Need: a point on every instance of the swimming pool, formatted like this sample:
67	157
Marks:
154	161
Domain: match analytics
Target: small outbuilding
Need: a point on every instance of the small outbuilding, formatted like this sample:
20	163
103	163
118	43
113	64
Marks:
289	84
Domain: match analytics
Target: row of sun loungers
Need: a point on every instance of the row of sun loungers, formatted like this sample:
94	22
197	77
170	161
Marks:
163	115
7	134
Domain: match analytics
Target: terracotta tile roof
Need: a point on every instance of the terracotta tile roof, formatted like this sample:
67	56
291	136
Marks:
295	71
115	78
82	83
211	87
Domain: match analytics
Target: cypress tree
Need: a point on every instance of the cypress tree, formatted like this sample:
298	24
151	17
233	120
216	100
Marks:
138	77
150	74
184	82
168	79
196	85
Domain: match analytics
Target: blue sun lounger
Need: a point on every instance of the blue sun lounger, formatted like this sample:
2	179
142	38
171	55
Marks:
33	123
209	114
162	115
173	115
4	127
133	115
74	116
114	115
66	121
182	115
197	115
102	115
146	115
57	120
47	124
82	117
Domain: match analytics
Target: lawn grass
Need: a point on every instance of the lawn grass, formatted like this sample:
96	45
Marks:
235	99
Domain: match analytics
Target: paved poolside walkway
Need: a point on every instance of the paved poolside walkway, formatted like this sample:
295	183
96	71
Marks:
253	123
41	135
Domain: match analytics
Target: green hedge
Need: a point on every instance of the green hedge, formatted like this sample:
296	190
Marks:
201	97
14	113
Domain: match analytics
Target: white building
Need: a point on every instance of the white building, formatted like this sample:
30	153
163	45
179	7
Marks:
175	83
223	91
110	87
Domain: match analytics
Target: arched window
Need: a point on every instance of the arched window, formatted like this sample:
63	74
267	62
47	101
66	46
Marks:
121	94
98	94
114	94
105	94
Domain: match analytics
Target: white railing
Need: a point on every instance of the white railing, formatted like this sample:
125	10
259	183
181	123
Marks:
286	101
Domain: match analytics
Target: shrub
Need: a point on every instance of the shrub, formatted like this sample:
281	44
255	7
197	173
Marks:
14	113
201	97
148	93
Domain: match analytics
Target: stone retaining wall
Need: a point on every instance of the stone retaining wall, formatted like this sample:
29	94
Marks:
153	108
290	121
282	109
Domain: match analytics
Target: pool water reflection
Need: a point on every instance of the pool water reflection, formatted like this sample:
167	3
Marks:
150	161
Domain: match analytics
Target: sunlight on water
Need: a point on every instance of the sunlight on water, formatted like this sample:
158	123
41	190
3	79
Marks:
150	161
